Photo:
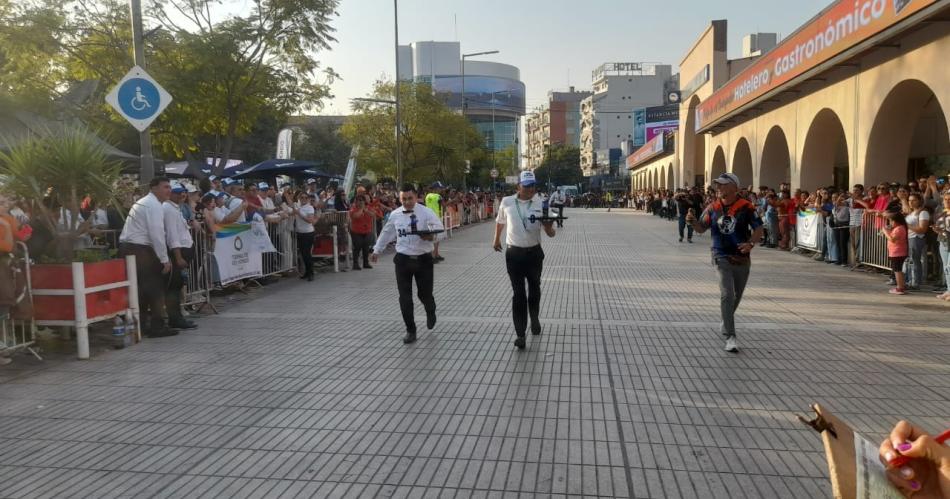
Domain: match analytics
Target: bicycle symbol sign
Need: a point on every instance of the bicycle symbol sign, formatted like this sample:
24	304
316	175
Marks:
138	98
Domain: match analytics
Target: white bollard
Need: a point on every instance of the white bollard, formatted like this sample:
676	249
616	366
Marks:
79	307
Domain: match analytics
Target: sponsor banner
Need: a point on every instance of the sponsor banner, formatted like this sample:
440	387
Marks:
838	28
652	149
659	128
660	119
238	249
285	140
349	181
639	127
807	230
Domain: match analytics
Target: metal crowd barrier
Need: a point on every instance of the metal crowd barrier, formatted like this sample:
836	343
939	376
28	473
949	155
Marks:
200	271
17	333
873	245
285	259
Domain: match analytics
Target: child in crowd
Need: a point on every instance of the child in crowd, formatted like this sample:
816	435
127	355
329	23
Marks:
896	234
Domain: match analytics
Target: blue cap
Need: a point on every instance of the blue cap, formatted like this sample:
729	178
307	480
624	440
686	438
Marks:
212	177
228	182
527	178
178	188
263	186
437	185
218	194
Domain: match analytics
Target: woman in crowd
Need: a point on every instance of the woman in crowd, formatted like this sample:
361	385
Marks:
304	218
896	234
941	226
918	223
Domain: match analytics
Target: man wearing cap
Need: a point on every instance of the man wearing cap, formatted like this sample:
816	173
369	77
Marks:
413	256
735	229
144	237
435	202
518	218
234	204
179	242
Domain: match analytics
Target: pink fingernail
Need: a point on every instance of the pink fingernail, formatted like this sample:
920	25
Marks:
888	456
914	484
904	447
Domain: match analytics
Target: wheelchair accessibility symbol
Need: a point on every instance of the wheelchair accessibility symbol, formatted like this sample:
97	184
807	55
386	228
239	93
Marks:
139	98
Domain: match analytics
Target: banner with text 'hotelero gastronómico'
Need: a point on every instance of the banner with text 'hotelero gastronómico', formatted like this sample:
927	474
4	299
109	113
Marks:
840	27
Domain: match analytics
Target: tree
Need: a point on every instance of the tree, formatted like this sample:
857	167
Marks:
561	166
435	141
323	143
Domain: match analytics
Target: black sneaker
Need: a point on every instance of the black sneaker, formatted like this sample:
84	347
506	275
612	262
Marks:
520	343
357	267
536	328
409	338
681	239
430	320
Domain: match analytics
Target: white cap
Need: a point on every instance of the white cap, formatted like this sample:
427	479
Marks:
527	178
727	178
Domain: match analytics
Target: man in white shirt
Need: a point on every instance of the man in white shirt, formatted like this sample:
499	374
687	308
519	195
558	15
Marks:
235	203
413	255
144	237
518	216
180	243
557	202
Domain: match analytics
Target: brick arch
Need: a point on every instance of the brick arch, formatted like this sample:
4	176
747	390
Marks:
775	163
742	162
824	159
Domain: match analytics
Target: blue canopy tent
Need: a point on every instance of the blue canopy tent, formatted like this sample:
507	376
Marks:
194	169
273	167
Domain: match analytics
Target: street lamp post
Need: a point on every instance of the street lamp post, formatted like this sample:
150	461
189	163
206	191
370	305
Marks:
398	127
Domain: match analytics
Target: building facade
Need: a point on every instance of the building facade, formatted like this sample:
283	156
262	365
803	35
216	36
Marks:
865	99
490	94
557	122
607	115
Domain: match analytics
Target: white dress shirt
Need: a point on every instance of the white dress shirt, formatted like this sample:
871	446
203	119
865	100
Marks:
177	234
398	229
515	215
146	226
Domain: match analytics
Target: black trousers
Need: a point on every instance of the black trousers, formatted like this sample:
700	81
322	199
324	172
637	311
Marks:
524	264
176	282
843	241
152	283
420	268
361	243
305	248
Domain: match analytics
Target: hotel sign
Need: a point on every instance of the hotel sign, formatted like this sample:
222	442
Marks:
838	28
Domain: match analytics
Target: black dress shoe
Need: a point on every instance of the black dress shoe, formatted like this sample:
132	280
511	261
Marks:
409	338
536	328
182	324
367	266
357	267
520	342
160	332
309	278
430	320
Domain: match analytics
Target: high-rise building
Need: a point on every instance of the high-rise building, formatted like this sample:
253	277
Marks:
494	96
557	122
607	115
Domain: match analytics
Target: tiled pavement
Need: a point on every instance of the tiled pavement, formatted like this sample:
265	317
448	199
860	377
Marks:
307	391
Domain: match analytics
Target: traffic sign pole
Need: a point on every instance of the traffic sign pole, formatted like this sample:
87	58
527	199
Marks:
147	171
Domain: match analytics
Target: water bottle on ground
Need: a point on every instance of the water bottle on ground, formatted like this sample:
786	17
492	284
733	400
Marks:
118	333
129	339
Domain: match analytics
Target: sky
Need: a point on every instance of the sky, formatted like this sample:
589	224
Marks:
555	43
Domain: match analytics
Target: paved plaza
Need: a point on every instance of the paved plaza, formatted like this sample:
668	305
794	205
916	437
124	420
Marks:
307	390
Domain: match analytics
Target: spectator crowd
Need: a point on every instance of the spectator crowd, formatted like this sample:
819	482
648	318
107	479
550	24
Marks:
910	220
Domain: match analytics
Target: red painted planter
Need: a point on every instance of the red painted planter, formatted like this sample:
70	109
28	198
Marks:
60	277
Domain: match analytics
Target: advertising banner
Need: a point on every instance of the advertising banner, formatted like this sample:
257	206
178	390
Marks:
660	119
238	249
807	230
639	127
285	140
652	149
835	30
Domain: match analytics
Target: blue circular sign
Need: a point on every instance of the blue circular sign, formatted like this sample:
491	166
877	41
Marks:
139	99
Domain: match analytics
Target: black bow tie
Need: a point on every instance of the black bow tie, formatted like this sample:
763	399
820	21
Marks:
407	211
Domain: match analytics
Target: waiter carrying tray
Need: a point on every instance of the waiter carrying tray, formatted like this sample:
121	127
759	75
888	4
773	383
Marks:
519	216
144	237
413	227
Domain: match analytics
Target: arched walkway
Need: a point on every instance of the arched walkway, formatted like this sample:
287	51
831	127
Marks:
694	147
718	165
742	162
775	165
825	155
909	132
